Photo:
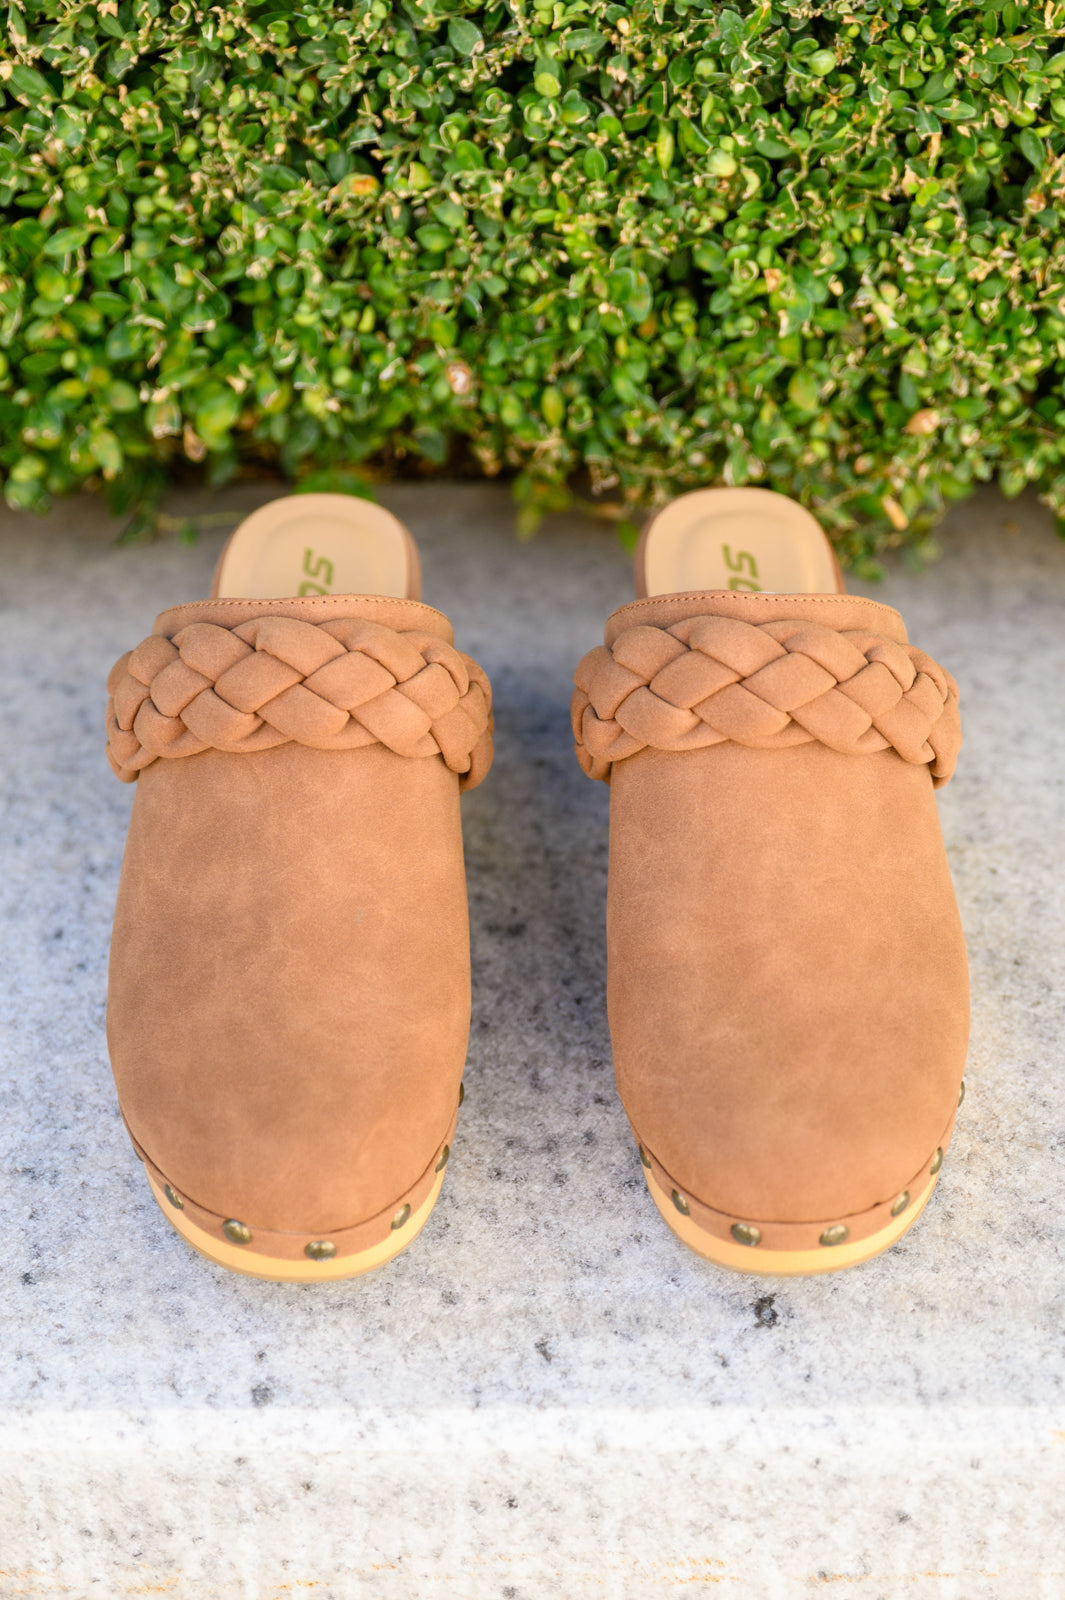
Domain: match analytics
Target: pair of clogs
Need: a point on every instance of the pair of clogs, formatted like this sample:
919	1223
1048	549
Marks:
290	985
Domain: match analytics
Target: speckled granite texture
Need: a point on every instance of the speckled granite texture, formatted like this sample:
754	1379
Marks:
547	1396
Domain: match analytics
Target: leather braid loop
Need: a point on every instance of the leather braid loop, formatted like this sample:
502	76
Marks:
336	685
768	685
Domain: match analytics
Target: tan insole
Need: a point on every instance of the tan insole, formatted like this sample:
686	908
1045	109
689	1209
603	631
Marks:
750	541
314	544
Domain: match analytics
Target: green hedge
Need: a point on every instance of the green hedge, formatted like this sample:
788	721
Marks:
629	248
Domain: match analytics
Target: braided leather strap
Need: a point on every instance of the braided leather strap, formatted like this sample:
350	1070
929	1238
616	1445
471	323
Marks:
769	685
336	685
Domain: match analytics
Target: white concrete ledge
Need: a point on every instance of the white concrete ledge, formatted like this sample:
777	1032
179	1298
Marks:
614	1503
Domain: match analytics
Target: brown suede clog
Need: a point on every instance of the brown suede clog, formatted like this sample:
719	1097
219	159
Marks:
289	993
787	981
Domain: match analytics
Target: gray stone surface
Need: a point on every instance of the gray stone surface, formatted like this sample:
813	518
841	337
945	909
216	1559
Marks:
546	1396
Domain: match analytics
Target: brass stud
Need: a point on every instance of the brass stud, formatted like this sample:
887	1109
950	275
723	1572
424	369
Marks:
961	1091
746	1233
174	1198
836	1234
681	1204
320	1250
462	1092
937	1162
901	1203
442	1163
401	1216
236	1232
644	1157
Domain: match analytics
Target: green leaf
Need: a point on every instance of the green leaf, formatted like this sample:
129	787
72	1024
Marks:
106	451
937	87
1032	148
69	129
665	145
804	390
443	331
121	396
217	409
553	406
709	256
27	84
434	238
123	341
585	41
111	306
722	163
28	468
464	36
595	165
469	156
450	214
28	235
66	241
631	292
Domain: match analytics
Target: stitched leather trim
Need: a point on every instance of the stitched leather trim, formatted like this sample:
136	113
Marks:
795	1235
284	1246
339	684
768	685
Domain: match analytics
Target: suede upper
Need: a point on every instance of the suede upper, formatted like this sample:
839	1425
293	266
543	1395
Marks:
289	993
787	984
703	680
333	683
